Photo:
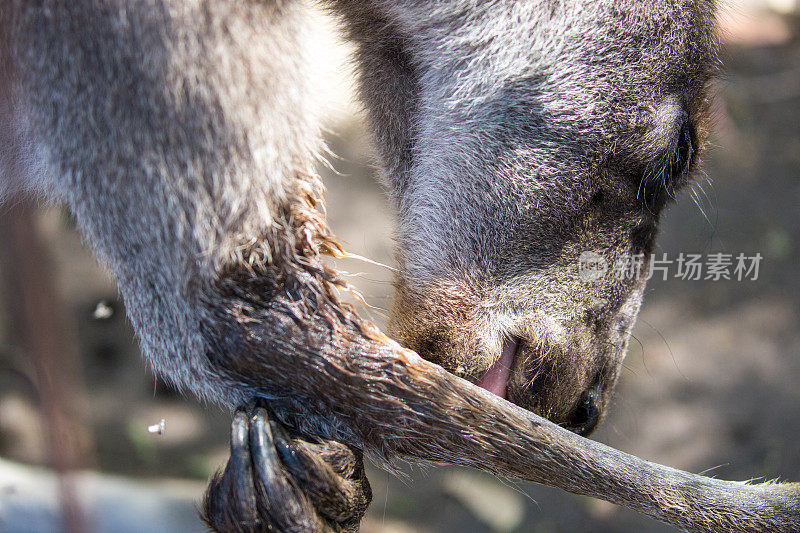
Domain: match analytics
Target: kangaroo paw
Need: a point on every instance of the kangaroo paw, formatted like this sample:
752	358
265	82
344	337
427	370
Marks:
278	481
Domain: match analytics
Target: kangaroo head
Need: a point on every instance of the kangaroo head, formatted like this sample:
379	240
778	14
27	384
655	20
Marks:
522	144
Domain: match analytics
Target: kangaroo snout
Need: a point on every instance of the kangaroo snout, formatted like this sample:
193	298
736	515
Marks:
535	383
588	412
556	363
568	386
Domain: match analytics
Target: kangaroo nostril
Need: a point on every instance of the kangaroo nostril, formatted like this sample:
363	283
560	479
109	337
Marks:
587	415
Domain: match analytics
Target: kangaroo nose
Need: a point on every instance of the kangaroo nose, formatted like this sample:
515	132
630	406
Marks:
587	415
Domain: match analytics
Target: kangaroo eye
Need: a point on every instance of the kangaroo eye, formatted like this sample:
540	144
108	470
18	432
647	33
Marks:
683	155
667	173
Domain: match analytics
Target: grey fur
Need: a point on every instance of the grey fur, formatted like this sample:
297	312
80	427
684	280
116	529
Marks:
175	131
513	136
505	120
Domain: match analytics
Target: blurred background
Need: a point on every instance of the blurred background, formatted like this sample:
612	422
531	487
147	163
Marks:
711	382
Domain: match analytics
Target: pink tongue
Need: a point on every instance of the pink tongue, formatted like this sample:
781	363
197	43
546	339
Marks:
496	378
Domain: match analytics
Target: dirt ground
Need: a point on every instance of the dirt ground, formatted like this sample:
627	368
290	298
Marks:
710	384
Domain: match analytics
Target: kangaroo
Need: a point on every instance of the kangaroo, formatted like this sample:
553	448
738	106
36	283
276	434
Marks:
514	136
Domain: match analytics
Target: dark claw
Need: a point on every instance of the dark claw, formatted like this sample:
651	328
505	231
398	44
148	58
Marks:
241	473
332	474
278	481
280	501
230	501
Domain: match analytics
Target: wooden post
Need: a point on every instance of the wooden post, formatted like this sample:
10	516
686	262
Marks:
42	330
